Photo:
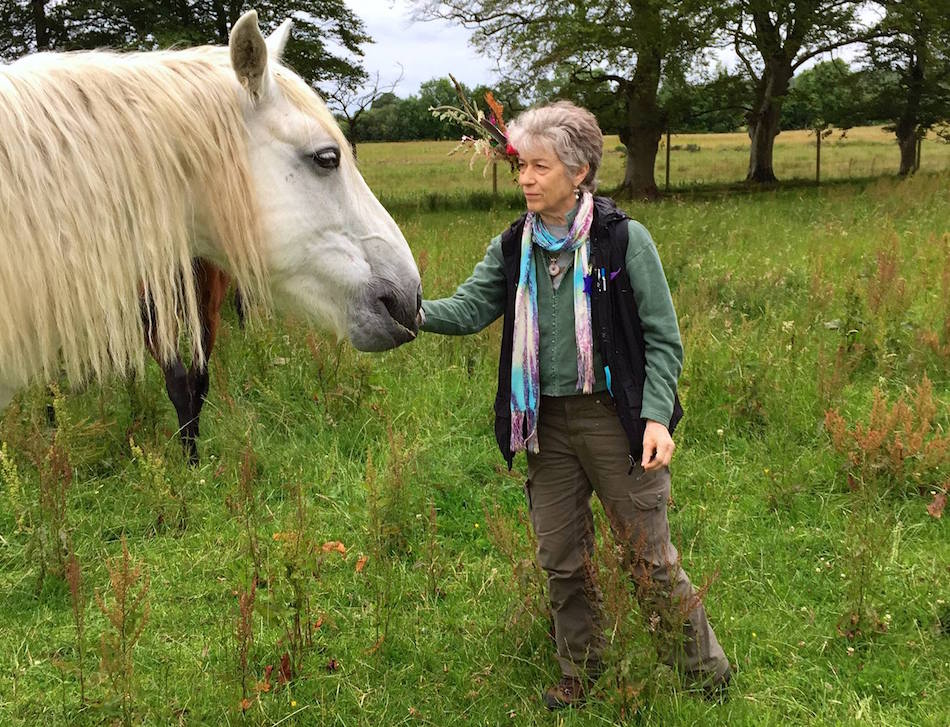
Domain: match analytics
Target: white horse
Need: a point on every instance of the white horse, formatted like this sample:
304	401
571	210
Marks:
117	169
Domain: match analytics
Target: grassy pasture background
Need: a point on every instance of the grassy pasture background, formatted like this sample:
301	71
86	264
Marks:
393	456
396	171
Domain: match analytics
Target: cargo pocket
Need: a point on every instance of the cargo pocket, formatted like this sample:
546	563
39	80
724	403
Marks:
650	490
654	553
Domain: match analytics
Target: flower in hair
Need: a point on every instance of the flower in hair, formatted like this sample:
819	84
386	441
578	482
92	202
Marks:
490	135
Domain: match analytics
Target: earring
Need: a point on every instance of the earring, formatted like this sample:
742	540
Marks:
577	193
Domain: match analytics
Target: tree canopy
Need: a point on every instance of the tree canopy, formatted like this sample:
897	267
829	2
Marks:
828	93
911	62
628	47
320	28
773	40
642	66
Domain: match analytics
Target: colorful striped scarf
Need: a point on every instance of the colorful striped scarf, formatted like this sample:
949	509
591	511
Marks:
525	377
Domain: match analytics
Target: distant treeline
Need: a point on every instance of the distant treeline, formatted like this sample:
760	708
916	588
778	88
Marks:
642	68
832	88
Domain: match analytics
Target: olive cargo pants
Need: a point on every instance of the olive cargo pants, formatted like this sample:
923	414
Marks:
584	450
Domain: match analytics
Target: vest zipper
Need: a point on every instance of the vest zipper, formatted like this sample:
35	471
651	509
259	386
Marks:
554	337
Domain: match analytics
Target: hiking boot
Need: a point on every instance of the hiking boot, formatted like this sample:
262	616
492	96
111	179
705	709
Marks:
569	692
718	691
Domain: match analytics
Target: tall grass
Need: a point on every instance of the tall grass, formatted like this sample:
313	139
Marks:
769	288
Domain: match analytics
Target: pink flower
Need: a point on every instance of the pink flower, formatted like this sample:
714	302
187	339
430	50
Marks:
510	150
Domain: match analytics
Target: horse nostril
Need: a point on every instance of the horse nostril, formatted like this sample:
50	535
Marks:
398	312
392	307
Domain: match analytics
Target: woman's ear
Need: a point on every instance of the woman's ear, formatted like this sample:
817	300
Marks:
581	175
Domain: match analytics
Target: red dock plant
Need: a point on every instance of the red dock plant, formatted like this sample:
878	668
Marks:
899	447
127	615
897	452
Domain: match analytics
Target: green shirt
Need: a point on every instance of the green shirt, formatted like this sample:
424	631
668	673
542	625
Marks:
480	300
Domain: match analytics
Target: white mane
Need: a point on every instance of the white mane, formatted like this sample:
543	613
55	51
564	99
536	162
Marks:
110	164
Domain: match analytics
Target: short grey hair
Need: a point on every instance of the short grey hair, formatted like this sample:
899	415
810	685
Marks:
570	131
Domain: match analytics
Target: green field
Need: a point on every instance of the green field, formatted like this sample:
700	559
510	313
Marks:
425	168
791	302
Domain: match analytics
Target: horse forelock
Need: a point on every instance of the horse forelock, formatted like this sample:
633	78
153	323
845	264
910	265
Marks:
109	163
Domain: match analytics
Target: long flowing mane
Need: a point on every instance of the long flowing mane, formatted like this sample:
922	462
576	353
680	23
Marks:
109	166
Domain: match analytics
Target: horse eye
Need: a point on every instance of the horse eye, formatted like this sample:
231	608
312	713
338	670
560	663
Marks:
327	158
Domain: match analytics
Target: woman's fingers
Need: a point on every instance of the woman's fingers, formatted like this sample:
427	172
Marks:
649	450
657	446
665	453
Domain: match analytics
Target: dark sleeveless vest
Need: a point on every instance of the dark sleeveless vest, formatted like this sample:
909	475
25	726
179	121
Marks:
617	331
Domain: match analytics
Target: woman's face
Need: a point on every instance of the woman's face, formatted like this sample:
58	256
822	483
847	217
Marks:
547	184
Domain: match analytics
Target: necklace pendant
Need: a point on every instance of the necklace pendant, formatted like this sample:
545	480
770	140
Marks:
554	268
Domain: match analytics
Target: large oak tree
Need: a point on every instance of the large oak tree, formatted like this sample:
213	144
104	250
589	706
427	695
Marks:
773	40
911	59
631	45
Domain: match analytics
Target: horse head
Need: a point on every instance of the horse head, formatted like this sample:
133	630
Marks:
116	170
331	251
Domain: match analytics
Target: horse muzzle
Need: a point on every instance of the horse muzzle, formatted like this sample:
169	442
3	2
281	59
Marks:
387	317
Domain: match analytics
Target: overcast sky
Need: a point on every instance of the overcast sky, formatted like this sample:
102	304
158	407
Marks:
433	49
425	50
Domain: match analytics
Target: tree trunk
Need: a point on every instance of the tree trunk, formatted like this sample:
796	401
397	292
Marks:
764	120
667	189
643	129
40	25
907	141
906	126
221	22
638	179
763	145
186	18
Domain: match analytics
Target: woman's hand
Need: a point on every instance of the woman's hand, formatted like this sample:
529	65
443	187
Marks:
657	446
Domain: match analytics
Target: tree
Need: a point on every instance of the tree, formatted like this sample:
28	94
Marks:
432	93
773	39
601	99
351	103
28	26
829	92
713	104
391	118
320	26
912	61
630	46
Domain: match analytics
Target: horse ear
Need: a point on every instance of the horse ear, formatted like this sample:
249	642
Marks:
249	54
277	41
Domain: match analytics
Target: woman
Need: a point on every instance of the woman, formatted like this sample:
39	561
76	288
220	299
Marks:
590	357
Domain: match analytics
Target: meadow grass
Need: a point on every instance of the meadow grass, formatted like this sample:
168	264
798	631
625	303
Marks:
393	456
425	168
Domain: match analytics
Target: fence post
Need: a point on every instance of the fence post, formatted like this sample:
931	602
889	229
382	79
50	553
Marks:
494	181
667	158
818	157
